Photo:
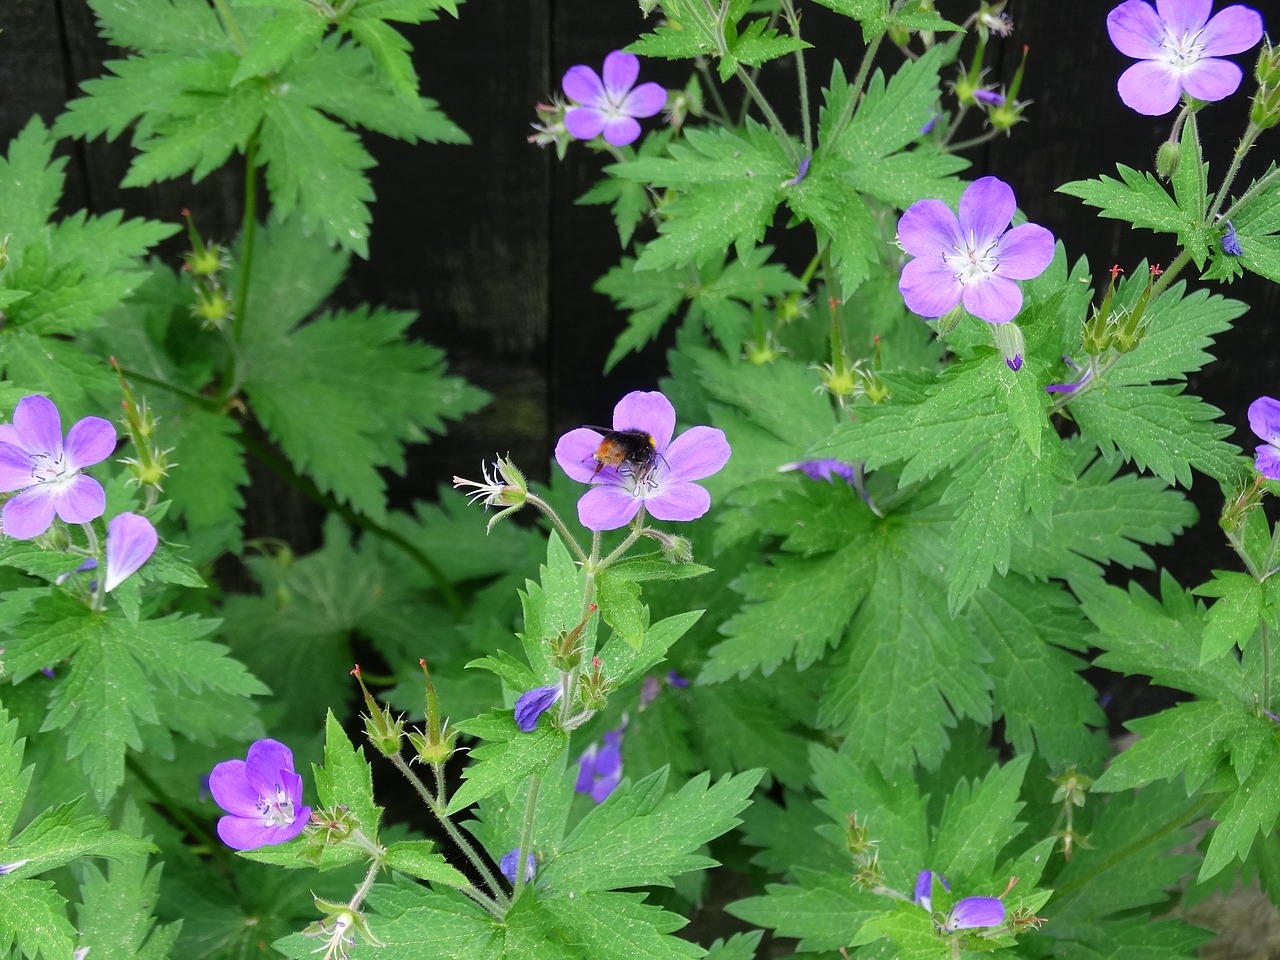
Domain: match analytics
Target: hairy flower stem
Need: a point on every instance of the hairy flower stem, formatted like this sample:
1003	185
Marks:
779	130
802	80
95	551
498	903
1246	143
549	512
526	832
248	233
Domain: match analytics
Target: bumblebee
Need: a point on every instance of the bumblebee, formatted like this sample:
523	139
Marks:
633	452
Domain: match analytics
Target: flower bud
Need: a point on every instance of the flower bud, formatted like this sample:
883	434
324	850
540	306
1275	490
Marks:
1167	159
503	486
384	730
1010	343
435	744
950	320
1265	111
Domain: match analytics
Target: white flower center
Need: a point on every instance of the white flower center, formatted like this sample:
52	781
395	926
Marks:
45	468
276	811
1184	52
972	262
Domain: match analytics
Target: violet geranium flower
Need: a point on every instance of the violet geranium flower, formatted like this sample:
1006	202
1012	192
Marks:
1264	420
35	461
507	866
662	484
262	796
924	888
973	912
600	767
534	703
1179	47
973	260
826	469
610	105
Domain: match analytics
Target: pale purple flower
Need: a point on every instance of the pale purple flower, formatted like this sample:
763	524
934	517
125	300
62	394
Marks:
8	868
990	98
973	260
1264	420
662	484
534	703
825	469
507	866
924	888
1179	47
35	460
650	687
131	540
677	681
262	796
600	767
610	105
1085	376
974	912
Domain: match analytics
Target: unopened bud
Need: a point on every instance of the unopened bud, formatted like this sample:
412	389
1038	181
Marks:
1168	158
384	730
1010	343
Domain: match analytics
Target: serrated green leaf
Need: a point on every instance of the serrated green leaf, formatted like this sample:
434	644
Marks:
1233	620
509	758
33	916
1251	809
755	45
1160	429
346	779
287	34
820	913
627	661
1136	197
418	858
31	183
640	836
616	926
876	17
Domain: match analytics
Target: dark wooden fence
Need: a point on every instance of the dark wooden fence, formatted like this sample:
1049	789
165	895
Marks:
486	243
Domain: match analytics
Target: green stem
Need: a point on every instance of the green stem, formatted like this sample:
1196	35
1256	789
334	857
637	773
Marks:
248	233
1260	186
793	21
1170	274
1266	666
779	130
233	29
196	399
713	87
498	903
550	514
526	831
1251	133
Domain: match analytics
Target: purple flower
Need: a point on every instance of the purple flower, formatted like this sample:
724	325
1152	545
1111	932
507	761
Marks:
600	767
924	888
662	483
1230	243
507	866
1085	376
534	703
826	469
990	98
1264	420
973	260
676	680
262	796
35	461
1178	47
610	106
974	912
131	540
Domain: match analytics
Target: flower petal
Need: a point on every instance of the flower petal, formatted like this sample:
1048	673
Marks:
1136	30
621	70
1212	79
986	207
1149	87
976	912
15	468
264	763
131	540
576	454
929	287
1024	252
994	299
1233	30
586	769
607	507
929	228
697	453
244	833
507	865
645	100
534	703
1182	17
582	84
1268	462
229	785
621	131
29	514
89	441
584	123
77	499
924	889
604	786
1264	419
677	500
39	426
647	410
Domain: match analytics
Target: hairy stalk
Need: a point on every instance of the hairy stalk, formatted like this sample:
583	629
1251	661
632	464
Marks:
774	123
231	378
1262	185
498	903
793	21
549	512
1246	143
526	832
